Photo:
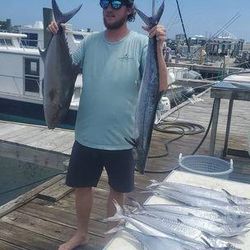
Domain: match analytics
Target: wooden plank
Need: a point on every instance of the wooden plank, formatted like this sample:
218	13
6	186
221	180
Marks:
6	130
46	140
25	238
40	157
56	191
22	133
9	246
59	216
98	211
44	227
24	198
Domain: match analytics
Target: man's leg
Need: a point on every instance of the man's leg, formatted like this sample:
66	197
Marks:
83	203
119	165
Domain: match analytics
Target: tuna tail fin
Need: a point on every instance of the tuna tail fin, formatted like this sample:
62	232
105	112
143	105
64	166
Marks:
151	21
63	17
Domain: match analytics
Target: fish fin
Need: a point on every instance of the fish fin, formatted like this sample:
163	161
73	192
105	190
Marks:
63	17
218	212
231	202
144	17
151	21
234	240
118	215
132	141
206	242
160	11
136	204
153	184
115	230
190	214
225	191
180	221
42	53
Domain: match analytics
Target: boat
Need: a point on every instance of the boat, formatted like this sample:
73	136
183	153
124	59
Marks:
22	70
21	74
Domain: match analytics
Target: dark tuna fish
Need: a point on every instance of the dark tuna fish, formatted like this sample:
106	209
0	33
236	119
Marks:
148	96
59	72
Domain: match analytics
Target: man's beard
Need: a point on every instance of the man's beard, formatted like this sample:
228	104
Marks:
115	25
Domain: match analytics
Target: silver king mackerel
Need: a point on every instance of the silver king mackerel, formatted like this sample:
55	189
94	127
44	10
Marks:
59	72
148	96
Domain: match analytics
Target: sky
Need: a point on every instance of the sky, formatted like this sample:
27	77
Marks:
201	17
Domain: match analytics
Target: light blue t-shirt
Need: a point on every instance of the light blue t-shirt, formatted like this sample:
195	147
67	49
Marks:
112	73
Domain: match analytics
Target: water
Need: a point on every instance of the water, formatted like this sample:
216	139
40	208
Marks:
27	120
18	177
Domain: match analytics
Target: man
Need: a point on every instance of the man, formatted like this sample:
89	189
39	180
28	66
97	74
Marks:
112	65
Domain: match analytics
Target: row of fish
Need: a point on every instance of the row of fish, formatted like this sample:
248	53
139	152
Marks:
201	219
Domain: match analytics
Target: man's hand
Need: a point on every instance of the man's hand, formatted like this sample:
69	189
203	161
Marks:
53	27
159	32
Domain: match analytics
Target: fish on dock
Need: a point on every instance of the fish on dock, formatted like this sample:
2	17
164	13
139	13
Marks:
59	72
167	228
202	202
222	195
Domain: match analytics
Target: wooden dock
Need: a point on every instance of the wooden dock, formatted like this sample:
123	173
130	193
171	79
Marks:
44	217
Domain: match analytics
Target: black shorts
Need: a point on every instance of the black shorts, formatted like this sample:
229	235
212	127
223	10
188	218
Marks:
86	165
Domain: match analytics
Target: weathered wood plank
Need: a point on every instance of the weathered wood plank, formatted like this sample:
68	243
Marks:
33	155
24	198
55	191
9	246
25	238
62	217
7	130
46	228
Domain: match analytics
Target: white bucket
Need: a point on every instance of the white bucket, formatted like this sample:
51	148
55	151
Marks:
206	165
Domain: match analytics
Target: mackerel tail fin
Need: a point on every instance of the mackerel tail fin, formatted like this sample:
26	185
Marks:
154	20
63	17
118	216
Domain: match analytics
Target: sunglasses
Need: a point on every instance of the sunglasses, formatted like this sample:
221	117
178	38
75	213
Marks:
115	4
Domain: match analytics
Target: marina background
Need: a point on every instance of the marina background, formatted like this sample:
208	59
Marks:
200	17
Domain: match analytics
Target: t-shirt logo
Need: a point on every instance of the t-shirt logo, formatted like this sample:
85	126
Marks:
126	57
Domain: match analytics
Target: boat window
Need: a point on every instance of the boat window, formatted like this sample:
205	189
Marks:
31	77
78	37
31	40
5	42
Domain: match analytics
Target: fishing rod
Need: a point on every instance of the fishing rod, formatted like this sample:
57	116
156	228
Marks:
183	27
